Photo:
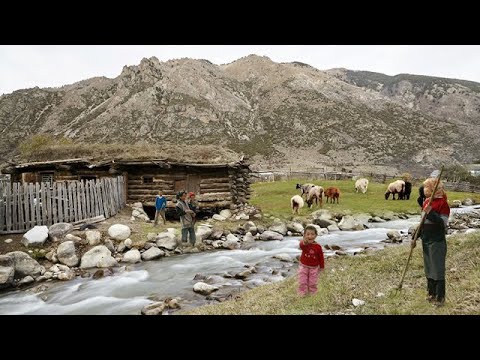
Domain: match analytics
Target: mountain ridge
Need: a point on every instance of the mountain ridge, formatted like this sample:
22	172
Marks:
282	115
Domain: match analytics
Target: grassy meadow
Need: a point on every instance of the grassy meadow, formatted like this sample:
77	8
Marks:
273	198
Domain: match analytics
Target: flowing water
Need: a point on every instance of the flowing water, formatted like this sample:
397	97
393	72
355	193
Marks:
127	291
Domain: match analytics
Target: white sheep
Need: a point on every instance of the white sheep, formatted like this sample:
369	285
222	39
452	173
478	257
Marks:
361	185
396	187
297	203
315	193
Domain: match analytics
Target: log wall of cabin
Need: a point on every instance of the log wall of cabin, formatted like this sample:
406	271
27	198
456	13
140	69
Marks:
212	186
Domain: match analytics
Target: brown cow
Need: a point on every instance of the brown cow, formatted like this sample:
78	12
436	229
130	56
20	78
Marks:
332	193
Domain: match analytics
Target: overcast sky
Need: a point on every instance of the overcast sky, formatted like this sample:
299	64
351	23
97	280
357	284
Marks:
26	66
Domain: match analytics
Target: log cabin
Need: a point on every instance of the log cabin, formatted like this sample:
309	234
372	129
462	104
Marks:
218	185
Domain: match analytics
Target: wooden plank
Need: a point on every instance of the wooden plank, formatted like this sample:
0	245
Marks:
99	197
66	204
215	180
2	207
48	197
77	194
87	198
94	198
120	192
215	196
110	197
215	185
215	189
38	206
59	201
96	208
82	199
43	200
125	188
21	207
74	205
14	206
31	195
121	183
116	196
77	225
26	204
54	203
104	198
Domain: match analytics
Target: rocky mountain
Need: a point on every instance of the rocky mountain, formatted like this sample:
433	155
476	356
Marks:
283	115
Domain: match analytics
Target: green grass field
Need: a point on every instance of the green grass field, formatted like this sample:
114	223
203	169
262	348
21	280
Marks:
274	198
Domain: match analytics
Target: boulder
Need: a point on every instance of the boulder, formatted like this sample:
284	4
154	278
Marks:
119	232
35	236
57	231
99	256
66	253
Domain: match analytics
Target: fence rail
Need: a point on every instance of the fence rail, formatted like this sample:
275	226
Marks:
270	176
22	206
462	186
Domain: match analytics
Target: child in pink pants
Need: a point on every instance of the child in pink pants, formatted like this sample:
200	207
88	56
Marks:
311	262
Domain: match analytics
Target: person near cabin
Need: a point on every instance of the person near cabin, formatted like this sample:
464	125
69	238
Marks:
193	204
434	242
187	218
160	208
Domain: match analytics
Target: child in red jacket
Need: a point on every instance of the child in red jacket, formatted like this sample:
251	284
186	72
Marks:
311	262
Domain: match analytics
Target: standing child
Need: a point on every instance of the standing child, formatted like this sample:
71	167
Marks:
311	262
160	208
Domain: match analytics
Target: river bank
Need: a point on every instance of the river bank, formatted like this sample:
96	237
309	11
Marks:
371	278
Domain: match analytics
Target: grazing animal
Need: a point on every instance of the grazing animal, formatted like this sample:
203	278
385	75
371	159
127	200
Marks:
297	203
396	187
407	191
305	188
421	198
332	193
361	185
315	193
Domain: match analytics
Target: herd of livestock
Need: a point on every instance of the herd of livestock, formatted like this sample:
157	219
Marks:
315	193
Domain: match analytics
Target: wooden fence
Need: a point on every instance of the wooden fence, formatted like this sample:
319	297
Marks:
462	186
22	206
270	176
